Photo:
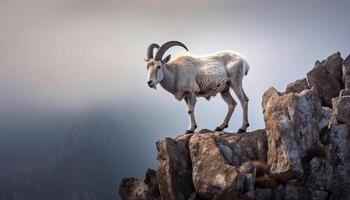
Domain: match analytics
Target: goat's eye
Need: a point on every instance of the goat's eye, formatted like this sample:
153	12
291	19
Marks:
158	67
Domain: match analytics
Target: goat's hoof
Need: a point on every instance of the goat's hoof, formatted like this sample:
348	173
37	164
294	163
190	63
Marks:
220	129
189	132
241	131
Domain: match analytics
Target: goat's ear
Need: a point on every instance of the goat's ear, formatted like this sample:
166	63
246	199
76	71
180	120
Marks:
166	59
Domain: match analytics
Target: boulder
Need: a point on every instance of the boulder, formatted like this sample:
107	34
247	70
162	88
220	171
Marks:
344	92
320	174
293	122
135	189
346	73
283	155
249	146
212	175
249	171
328	71
341	108
297	86
174	173
324	115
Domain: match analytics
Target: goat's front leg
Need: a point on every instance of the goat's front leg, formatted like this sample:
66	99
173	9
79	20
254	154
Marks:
190	100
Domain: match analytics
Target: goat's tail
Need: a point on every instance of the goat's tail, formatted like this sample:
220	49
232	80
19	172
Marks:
245	67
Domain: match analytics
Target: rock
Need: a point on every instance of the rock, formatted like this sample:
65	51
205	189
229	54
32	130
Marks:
340	151
307	114
346	73
328	71
211	173
249	171
263	194
151	180
174	173
283	151
249	146
341	107
325	116
293	122
135	189
293	191
304	152
344	92
320	174
333	65
297	86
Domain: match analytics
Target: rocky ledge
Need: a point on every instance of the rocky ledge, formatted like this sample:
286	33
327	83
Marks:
303	152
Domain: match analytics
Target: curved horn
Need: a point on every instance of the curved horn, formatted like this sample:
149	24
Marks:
150	50
166	46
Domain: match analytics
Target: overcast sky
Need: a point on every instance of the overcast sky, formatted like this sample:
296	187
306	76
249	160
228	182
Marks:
70	55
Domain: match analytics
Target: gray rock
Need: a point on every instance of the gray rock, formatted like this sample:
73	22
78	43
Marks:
341	107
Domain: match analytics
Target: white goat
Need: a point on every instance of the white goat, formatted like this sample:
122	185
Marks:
188	77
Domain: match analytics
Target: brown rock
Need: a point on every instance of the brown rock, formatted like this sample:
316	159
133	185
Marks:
297	86
249	146
135	189
174	172
283	155
333	65
346	72
326	77
212	175
341	108
249	171
344	92
151	180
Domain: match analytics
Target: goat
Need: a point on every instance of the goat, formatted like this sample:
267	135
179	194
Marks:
188	77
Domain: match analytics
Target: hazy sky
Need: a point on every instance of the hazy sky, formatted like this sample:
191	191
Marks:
69	55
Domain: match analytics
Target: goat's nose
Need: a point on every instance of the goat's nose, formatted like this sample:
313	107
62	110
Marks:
149	82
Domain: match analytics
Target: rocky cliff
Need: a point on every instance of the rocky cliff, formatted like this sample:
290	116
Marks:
303	152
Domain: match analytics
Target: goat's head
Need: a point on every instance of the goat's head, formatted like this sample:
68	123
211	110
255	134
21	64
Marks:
156	65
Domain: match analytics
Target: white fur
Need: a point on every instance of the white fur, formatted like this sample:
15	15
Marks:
190	76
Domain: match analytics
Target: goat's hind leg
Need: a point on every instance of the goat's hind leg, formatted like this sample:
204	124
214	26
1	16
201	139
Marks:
231	103
238	89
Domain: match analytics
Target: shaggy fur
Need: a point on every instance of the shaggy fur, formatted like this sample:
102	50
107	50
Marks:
188	77
206	75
